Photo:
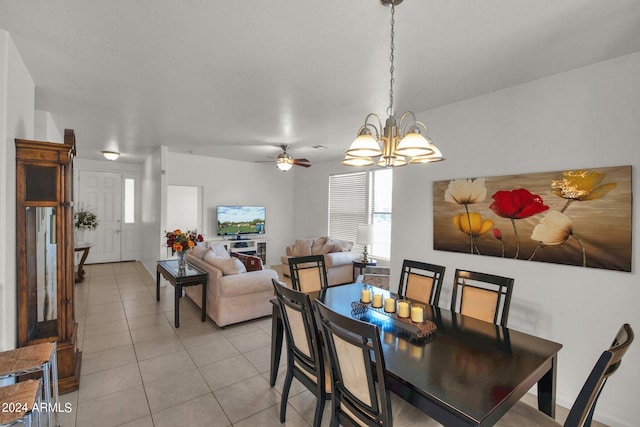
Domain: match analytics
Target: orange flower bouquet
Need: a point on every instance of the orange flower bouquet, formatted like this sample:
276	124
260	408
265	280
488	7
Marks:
180	241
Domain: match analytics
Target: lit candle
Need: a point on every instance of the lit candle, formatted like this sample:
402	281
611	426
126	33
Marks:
377	300
365	296
403	309
390	305
417	314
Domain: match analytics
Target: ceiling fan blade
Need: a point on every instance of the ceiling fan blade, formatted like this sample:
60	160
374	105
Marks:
304	165
301	160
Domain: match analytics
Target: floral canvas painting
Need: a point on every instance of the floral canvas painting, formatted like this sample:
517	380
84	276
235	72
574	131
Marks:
573	217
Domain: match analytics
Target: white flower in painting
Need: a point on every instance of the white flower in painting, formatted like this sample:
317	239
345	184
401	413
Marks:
554	229
465	191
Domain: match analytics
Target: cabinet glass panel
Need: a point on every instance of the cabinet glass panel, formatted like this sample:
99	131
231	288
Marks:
40	183
42	280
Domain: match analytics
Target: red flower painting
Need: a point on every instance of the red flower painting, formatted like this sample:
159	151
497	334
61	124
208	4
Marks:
517	204
578	217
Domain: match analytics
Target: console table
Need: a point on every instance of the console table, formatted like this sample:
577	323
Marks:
84	248
190	276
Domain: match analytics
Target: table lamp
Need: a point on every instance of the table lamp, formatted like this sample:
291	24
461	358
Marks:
365	238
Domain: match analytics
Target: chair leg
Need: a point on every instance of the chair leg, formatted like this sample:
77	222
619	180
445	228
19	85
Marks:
317	418
334	411
285	394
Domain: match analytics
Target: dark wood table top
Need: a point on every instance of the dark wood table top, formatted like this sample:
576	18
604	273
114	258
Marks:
472	368
190	273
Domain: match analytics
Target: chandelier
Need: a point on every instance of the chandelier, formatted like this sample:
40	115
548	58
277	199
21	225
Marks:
402	141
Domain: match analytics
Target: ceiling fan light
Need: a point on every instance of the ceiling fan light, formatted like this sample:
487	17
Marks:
284	166
357	161
414	144
364	146
110	155
284	162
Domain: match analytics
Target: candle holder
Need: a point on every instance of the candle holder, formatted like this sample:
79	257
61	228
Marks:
419	331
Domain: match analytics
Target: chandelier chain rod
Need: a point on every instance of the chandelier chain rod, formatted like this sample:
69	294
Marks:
391	58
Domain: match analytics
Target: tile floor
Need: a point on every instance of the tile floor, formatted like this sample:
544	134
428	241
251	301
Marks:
138	370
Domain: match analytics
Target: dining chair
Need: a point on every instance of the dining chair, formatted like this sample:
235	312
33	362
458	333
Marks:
308	273
305	358
21	403
581	413
39	358
421	281
360	392
483	296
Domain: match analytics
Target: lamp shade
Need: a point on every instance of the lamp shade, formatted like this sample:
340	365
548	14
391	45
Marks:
413	144
284	165
284	162
357	161
365	234
436	156
364	146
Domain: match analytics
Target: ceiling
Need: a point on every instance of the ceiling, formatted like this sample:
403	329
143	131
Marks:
234	79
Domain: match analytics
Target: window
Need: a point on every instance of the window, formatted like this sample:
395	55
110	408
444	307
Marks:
129	201
362	198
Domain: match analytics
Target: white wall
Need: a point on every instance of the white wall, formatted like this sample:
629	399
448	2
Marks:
153	183
16	121
580	119
45	128
227	182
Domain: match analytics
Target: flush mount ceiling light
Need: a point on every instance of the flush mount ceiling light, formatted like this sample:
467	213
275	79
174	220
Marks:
402	141
110	155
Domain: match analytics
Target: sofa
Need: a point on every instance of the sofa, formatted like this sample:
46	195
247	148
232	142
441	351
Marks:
338	257
239	287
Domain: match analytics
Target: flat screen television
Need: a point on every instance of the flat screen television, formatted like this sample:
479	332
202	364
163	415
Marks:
236	220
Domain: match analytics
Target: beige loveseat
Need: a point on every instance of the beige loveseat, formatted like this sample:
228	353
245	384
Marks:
234	294
338	257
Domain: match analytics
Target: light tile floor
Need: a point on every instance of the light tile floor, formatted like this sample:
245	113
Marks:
138	370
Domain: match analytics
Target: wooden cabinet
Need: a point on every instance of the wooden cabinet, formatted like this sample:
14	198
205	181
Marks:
44	242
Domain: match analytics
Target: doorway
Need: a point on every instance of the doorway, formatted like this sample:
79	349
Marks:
111	196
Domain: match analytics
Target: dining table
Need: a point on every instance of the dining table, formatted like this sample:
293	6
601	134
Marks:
466	373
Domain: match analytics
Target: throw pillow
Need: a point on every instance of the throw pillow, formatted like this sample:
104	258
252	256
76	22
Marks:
325	249
199	251
317	245
220	251
228	266
340	245
302	247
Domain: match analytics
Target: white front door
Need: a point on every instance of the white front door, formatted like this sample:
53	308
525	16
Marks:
101	192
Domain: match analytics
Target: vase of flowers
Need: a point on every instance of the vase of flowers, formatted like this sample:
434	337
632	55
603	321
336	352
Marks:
84	219
180	242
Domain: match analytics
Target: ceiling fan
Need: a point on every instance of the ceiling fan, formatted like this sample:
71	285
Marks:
284	161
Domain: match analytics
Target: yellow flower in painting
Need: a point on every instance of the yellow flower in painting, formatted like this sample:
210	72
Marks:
581	185
472	223
554	229
465	191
